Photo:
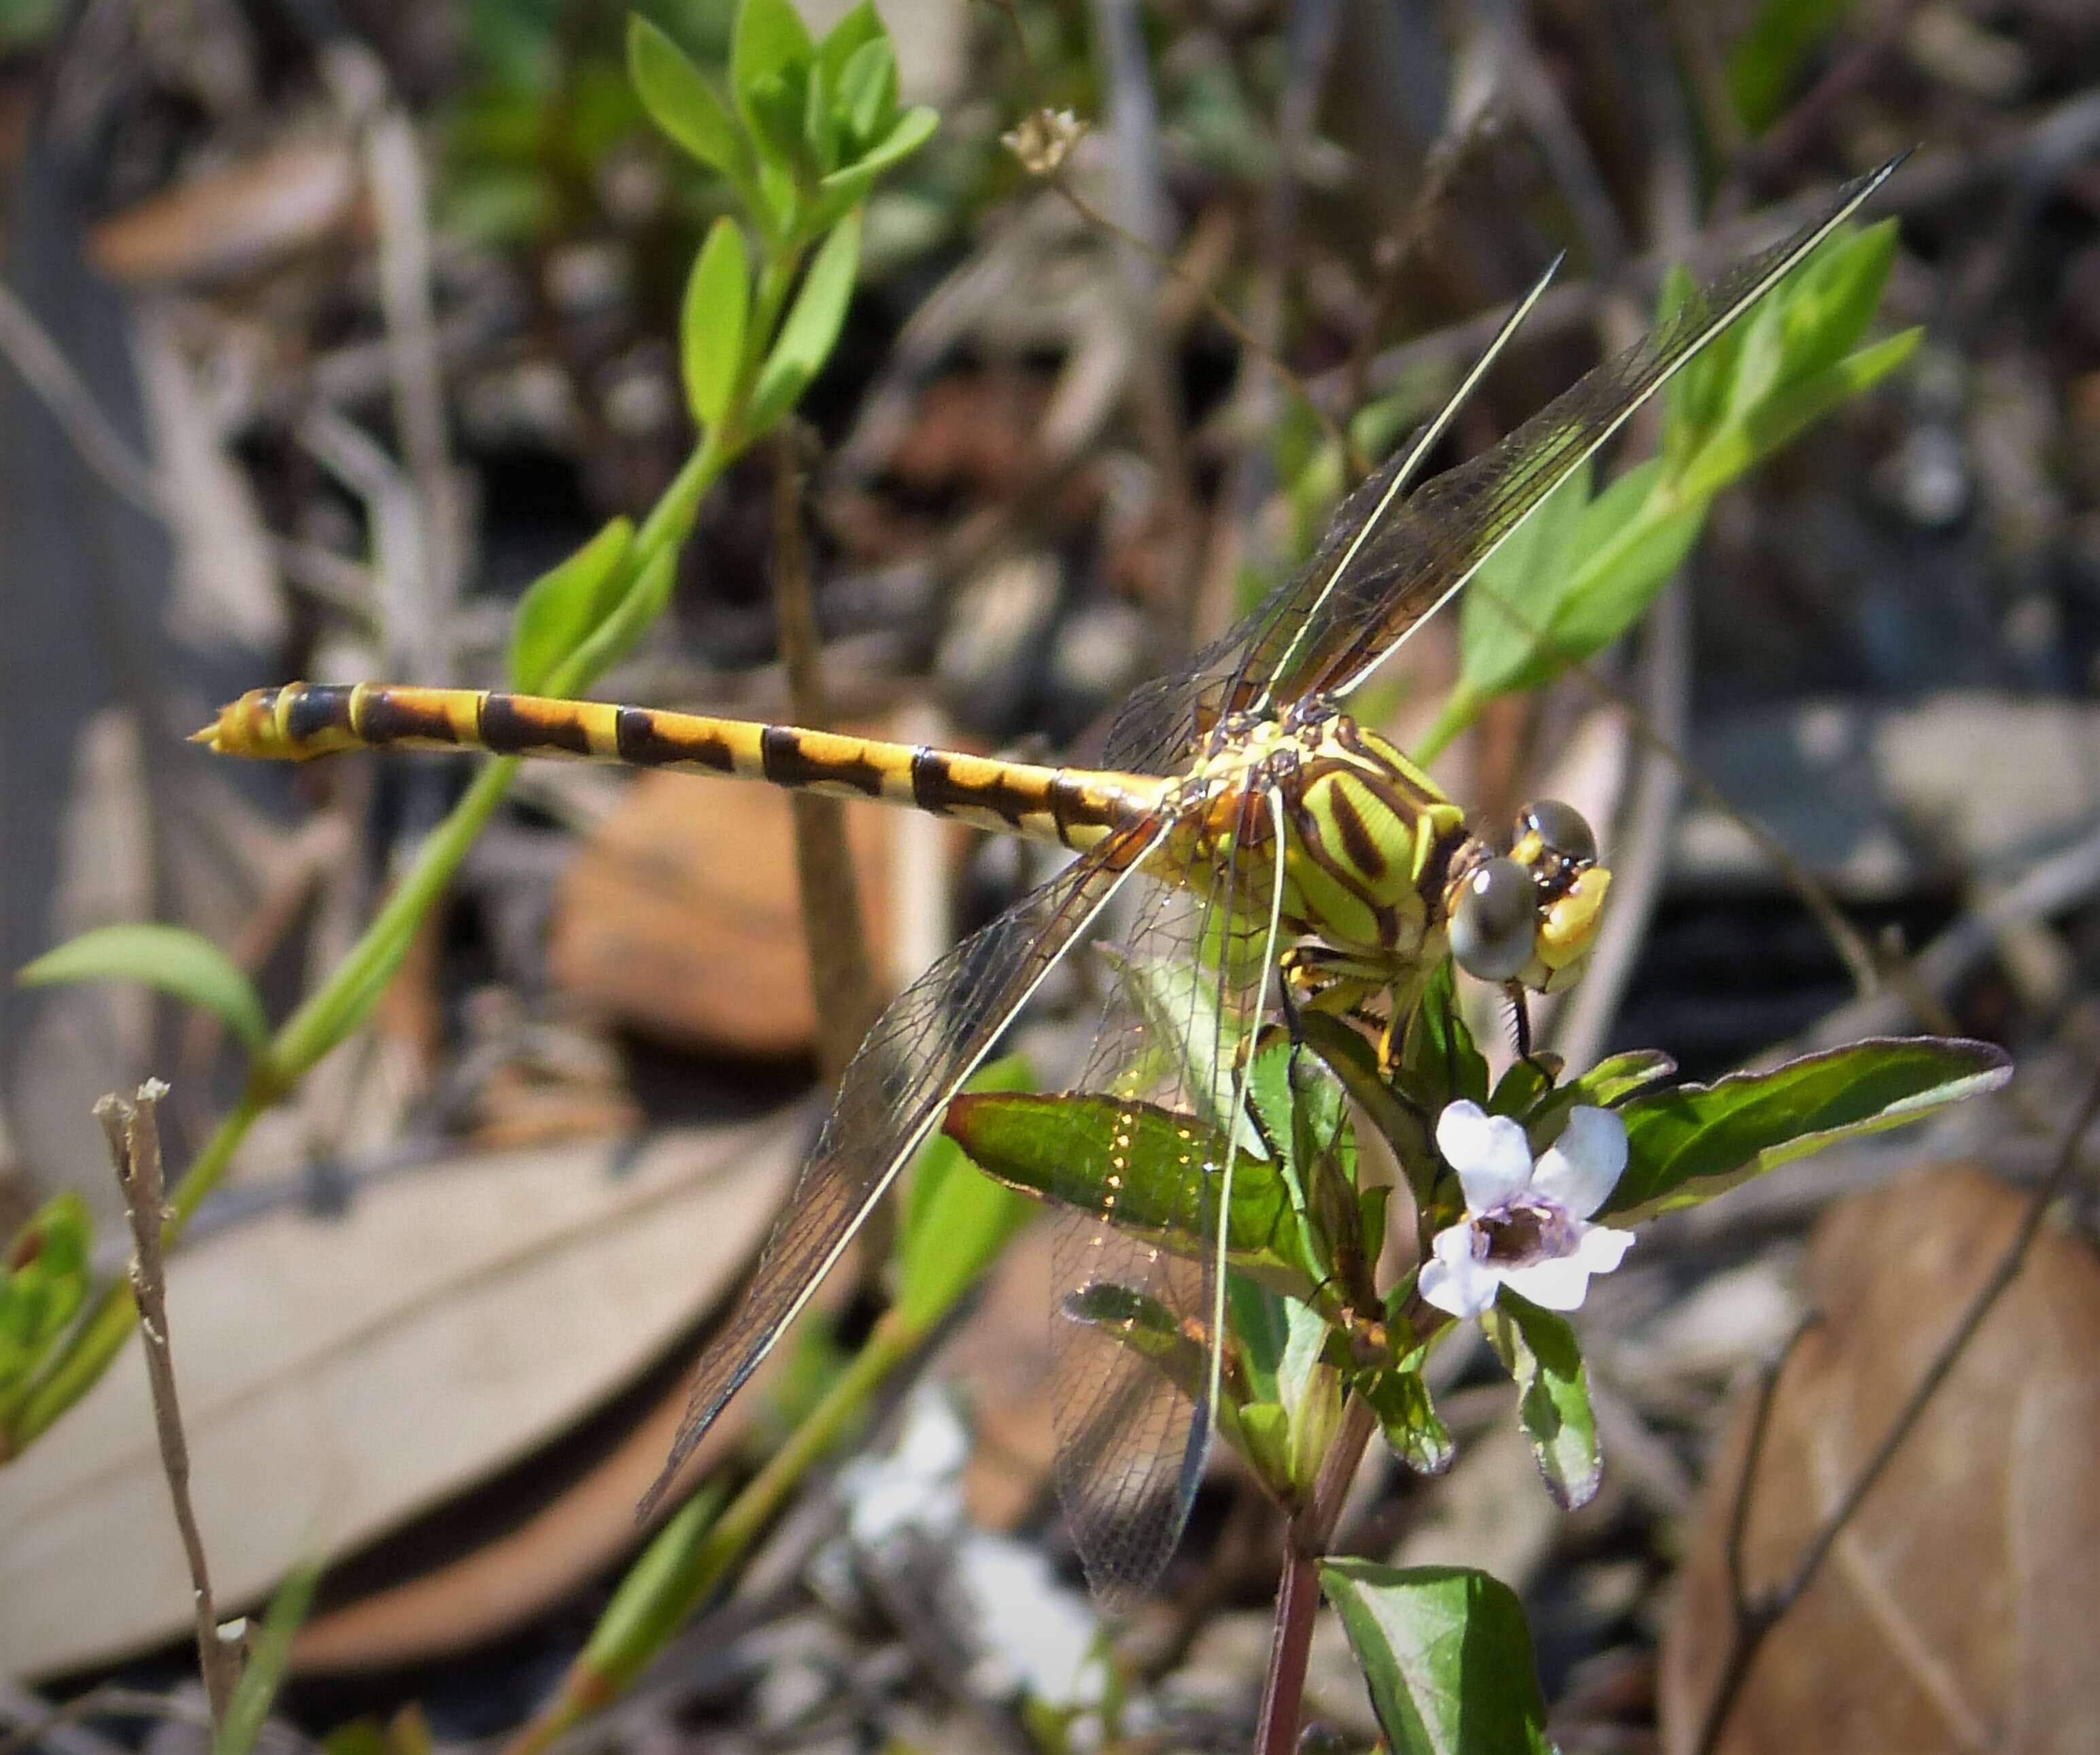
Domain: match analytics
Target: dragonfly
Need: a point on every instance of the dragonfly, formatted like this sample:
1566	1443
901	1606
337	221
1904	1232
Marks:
1280	851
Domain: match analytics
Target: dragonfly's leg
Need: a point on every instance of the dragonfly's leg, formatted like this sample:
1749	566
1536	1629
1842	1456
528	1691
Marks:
1519	1020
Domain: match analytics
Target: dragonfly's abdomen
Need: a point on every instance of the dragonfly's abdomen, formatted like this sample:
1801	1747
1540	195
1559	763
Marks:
1074	808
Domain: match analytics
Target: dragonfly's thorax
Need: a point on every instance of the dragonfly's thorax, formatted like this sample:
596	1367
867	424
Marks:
1369	840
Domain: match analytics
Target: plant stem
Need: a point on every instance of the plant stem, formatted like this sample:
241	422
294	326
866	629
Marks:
1305	1538
341	1002
688	1558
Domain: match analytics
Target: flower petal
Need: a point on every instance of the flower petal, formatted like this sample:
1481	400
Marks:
1559	1284
1600	1248
1582	1167
1457	1278
1489	1152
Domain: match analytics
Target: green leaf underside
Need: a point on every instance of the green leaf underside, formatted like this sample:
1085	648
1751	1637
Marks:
1167	1165
712	324
1689	1143
172	959
564	604
1537	1347
956	1219
1408	1419
1446	1655
1148	1329
812	326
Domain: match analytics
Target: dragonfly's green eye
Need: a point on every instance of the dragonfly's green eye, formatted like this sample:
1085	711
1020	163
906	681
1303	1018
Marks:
1494	922
1560	829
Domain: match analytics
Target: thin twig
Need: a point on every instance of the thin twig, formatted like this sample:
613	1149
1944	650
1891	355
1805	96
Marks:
59	1726
48	372
841	979
1755	1619
134	1147
394	175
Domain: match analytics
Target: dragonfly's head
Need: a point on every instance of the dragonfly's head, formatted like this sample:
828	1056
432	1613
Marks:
1530	915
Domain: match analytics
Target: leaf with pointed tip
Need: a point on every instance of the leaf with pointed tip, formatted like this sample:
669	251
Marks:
1689	1142
681	103
173	959
564	604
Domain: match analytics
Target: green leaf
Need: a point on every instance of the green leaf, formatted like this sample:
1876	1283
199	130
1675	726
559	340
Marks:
1408	1419
858	27
1149	1329
1438	1062
812	327
1828	301
1691	1142
1068	1148
681	103
843	188
768	38
1538	1348
1446	1655
956	1219
865	95
711	328
267	1657
1512	599
173	959
561	607
1739	448
1762	70
1614	1079
43	1283
626	621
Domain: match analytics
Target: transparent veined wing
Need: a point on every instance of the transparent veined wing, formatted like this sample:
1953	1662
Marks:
934	1035
1138	1331
1391	557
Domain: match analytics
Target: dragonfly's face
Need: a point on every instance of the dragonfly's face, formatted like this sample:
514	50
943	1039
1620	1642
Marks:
1530	916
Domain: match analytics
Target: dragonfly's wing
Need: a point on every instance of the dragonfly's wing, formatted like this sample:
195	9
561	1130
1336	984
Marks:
922	1049
1392	558
1193	978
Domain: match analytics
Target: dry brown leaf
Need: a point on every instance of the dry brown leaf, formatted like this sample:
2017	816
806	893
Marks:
233	221
1956	1612
539	1560
681	917
339	1376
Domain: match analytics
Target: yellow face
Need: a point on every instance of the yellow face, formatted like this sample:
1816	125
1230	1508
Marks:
1567	933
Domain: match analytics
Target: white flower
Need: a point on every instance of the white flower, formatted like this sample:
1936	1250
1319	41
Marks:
1526	1225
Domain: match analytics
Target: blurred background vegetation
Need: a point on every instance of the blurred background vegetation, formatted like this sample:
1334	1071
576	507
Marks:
328	327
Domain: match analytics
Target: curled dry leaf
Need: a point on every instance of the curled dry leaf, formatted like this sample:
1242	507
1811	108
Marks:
680	917
340	1376
1957	1611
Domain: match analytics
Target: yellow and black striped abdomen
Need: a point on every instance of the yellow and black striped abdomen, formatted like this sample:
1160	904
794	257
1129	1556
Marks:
1073	807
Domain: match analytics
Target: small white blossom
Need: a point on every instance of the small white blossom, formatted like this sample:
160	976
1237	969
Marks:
1526	1224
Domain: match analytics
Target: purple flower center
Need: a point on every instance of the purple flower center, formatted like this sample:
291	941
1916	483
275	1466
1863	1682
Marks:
1527	1228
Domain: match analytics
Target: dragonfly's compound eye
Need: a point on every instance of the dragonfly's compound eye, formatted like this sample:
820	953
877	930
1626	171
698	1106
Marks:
1560	829
1494	923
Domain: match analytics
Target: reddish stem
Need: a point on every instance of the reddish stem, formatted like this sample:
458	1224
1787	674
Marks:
1298	1594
